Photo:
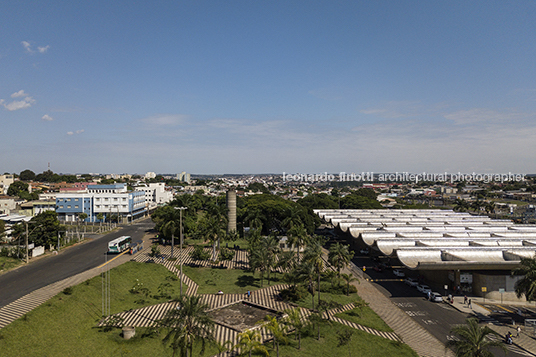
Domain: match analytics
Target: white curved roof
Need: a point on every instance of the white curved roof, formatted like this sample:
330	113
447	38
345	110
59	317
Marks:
439	239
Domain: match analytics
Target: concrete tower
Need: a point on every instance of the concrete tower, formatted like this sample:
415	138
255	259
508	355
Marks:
231	211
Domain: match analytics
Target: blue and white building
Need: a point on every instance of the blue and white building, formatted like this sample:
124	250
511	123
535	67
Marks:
106	199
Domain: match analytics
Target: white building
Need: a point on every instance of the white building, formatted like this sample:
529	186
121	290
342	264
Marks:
150	175
155	194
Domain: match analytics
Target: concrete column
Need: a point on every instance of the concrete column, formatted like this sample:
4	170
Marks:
231	211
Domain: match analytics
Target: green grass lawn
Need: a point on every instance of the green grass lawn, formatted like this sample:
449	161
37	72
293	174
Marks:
230	281
366	317
361	344
8	263
66	324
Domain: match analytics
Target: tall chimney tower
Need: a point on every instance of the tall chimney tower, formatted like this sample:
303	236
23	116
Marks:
231	211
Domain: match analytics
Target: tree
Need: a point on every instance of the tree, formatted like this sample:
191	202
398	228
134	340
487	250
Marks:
295	321
340	256
82	216
526	286
306	271
44	228
16	188
473	340
27	175
277	330
186	324
348	278
313	254
297	236
249	341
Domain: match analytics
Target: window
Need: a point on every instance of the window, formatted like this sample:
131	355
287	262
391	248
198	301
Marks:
76	206
68	206
61	206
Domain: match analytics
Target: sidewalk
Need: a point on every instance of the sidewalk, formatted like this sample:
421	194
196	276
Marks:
526	340
411	333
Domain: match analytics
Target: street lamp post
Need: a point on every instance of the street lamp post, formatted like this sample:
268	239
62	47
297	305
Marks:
181	239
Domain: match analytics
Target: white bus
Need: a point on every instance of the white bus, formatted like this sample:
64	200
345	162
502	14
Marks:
119	245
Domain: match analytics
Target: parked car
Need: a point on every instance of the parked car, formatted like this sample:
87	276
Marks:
411	282
425	289
399	273
436	297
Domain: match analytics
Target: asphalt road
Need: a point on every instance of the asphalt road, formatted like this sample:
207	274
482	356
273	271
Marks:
71	261
436	318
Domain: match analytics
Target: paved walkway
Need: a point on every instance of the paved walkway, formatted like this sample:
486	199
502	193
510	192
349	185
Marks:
411	333
525	344
264	298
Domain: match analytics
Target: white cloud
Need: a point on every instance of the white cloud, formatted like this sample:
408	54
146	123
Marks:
19	104
476	116
75	132
165	119
19	94
27	46
47	117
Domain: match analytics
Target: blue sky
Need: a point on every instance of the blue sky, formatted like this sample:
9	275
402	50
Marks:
268	86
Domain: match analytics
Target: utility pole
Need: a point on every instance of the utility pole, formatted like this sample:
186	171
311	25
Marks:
26	241
181	239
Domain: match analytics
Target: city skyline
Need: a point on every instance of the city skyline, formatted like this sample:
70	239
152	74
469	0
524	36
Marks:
242	87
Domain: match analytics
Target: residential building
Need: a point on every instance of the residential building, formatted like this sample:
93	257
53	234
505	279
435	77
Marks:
5	181
109	200
155	194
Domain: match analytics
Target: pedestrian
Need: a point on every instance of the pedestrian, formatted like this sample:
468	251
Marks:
470	304
249	294
450	298
465	300
518	331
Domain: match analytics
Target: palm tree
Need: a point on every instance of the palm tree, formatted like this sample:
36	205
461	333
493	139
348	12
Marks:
340	256
316	319
298	237
186	324
249	341
223	347
277	330
349	278
473	340
306	271
271	245
293	217
313	253
287	262
527	285
259	259
295	321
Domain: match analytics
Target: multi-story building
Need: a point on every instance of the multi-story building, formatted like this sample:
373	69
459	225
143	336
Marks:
108	200
155	194
5	181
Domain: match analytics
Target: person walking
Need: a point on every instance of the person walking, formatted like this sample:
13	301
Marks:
470	304
465	300
518	331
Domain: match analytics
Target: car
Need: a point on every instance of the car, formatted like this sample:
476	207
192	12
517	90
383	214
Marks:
399	273
411	282
364	251
436	297
425	289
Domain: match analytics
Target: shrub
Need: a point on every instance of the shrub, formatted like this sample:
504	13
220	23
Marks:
68	290
199	253
294	293
226	254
